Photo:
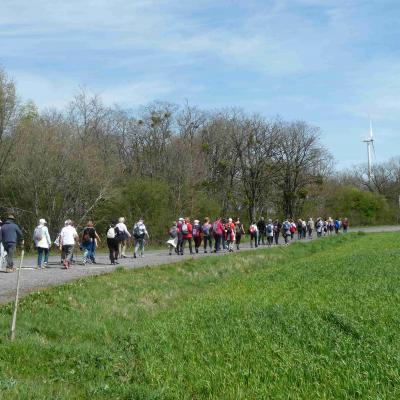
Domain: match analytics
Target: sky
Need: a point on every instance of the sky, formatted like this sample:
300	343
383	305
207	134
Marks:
331	63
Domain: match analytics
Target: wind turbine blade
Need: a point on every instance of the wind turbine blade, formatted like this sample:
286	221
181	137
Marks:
373	149
371	136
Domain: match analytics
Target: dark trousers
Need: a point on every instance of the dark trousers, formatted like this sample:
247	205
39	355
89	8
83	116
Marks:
261	238
253	238
218	239
188	240
270	240
10	249
40	251
207	240
197	243
276	237
238	240
113	249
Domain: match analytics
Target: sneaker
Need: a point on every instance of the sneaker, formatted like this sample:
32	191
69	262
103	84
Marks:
134	255
142	256
44	266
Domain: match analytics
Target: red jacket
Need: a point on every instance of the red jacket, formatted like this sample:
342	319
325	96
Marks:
218	228
189	235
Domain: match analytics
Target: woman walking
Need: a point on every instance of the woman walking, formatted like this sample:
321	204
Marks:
42	242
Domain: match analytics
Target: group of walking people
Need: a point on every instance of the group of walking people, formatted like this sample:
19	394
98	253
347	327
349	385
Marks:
222	234
68	240
226	234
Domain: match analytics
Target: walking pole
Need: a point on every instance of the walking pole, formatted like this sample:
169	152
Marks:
14	318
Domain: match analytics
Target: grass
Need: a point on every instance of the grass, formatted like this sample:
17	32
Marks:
311	321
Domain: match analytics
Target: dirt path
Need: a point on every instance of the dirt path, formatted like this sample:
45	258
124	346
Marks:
32	279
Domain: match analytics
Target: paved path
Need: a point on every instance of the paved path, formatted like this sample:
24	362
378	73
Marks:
32	279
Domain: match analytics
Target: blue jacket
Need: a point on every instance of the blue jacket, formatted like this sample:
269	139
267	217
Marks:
10	232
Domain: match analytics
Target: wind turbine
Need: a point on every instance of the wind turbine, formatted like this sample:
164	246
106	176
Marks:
370	143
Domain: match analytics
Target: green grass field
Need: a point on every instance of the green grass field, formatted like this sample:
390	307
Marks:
319	320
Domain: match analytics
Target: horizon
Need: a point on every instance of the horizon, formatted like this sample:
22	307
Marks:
329	63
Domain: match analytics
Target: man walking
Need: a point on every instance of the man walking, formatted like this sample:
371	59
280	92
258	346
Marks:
261	231
68	237
123	236
10	235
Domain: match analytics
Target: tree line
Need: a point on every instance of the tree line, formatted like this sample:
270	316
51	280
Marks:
162	160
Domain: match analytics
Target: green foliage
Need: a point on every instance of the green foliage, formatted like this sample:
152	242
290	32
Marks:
310	321
136	198
363	207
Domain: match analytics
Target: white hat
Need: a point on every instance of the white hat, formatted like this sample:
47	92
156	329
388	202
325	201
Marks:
180	219
230	219
196	221
42	221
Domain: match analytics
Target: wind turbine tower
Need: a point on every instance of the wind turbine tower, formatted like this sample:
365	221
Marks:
370	144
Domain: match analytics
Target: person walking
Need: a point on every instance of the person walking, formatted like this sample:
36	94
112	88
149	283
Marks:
253	230
286	231
337	225
277	231
310	227
10	235
68	238
123	237
113	242
331	226
230	234
90	238
207	234
140	235
299	229
218	231
173	238
319	226
196	235
187	235
3	253
345	225
42	241
293	229
261	226
304	229
180	235
239	231
270	232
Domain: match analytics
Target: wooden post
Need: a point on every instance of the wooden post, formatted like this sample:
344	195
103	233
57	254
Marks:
14	318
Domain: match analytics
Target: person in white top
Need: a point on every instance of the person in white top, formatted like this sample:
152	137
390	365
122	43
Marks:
41	238
140	234
123	237
68	238
3	253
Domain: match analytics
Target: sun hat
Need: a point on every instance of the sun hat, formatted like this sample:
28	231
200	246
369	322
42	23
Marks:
11	217
42	221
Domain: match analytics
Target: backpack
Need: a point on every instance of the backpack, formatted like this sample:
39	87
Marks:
196	230
228	229
337	224
138	232
286	226
269	228
206	229
252	229
184	229
38	234
173	232
215	228
111	233
238	229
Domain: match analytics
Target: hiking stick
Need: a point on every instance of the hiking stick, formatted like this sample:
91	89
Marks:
14	318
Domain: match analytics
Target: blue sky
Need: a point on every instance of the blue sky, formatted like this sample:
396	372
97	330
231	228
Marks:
330	63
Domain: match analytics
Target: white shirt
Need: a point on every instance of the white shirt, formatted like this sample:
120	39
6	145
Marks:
68	235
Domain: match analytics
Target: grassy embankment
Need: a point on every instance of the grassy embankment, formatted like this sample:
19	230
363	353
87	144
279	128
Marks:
315	320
